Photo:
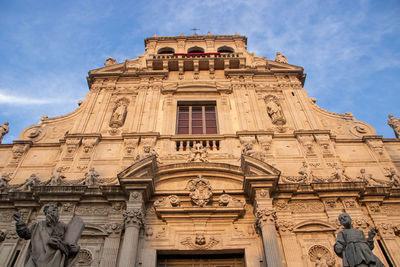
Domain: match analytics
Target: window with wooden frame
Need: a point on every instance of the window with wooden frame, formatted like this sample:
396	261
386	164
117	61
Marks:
197	118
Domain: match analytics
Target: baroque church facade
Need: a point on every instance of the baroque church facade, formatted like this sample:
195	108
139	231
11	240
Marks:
199	153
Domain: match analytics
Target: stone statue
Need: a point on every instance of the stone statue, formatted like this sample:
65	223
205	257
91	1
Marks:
91	177
394	177
352	246
280	58
4	186
53	243
275	111
119	113
3	130
307	173
31	181
57	178
395	124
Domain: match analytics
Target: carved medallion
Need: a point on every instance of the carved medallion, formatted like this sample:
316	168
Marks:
200	191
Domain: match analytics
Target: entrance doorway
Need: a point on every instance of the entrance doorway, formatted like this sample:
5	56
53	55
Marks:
201	260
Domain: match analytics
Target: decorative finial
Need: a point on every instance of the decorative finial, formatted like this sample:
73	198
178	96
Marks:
208	33
155	35
182	34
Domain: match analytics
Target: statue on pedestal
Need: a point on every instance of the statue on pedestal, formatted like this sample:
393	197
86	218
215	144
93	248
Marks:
395	124
3	130
53	243
352	246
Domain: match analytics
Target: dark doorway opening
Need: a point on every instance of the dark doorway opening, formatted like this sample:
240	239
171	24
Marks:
200	260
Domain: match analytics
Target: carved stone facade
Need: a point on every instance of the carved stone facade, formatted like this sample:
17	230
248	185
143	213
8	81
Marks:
201	154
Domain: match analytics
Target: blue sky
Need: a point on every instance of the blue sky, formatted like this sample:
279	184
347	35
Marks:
350	50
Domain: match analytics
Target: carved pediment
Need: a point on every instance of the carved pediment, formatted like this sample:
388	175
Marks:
112	69
314	226
276	66
254	167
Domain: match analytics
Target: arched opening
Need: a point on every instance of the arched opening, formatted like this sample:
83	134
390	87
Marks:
195	49
225	49
166	50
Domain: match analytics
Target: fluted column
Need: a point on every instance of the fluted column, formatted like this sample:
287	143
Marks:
265	222
111	245
133	221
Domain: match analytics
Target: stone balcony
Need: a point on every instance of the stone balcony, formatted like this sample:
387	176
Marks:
195	61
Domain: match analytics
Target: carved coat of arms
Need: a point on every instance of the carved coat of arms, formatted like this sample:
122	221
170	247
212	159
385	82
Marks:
200	191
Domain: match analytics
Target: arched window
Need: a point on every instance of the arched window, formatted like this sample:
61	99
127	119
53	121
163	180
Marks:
225	49
195	49
166	50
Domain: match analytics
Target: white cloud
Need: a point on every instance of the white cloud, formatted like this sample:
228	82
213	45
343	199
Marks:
6	98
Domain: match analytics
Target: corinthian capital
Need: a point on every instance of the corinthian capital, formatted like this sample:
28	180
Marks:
133	217
265	216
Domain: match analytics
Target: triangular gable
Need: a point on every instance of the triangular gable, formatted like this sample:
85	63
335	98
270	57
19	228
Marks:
117	68
276	66
254	167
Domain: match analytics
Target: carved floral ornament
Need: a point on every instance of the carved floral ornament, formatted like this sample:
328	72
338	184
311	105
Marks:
265	216
166	202
200	191
133	217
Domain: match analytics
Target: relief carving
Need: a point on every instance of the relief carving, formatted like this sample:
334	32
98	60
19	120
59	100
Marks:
133	217
119	113
306	173
71	145
226	200
167	202
200	242
325	143
265	216
285	226
377	147
130	145
148	144
85	257
198	153
321	256
18	150
200	191
307	141
88	146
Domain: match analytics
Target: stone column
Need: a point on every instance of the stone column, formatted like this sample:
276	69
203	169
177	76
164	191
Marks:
266	225
133	220
265	222
111	245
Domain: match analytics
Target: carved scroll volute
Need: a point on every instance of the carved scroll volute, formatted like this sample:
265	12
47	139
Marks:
119	113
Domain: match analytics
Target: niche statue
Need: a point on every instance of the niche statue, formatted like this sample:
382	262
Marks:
53	243
352	246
